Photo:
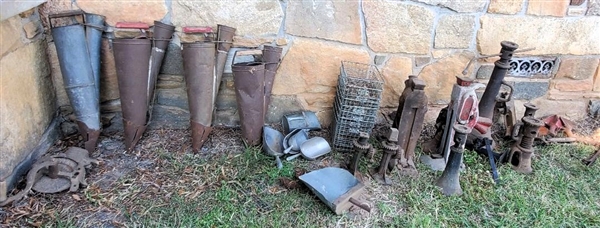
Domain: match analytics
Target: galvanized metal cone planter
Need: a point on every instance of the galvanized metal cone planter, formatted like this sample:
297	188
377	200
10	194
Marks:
224	42
73	49
160	40
93	34
271	58
131	62
200	78
249	80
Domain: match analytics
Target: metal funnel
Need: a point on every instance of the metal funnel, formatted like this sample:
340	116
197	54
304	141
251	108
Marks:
271	58
77	70
200	78
224	42
248	79
131	62
161	37
93	33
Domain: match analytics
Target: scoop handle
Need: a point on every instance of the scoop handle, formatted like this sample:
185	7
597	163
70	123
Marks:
360	204
279	164
293	156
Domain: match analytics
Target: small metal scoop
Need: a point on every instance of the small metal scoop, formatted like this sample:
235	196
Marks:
293	140
312	149
304	120
336	187
273	144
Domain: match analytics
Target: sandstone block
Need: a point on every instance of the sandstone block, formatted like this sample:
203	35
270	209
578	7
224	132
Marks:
573	110
331	20
458	5
241	41
396	27
310	70
440	76
567	85
129	11
577	68
248	17
281	105
27	103
395	72
548	35
32	29
440	53
454	31
505	6
11	35
557	8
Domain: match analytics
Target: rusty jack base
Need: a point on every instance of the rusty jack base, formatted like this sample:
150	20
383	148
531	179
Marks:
522	150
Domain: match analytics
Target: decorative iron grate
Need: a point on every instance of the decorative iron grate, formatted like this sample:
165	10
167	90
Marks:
529	67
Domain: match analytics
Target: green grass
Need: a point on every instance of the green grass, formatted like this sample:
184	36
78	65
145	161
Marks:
241	189
561	192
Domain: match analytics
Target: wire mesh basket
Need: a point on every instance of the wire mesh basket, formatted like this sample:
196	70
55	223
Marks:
359	91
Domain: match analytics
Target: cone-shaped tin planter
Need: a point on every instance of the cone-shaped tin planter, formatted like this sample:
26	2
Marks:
224	42
161	38
201	81
271	58
79	59
132	64
249	82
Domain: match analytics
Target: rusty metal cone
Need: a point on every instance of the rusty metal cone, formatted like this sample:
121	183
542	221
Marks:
271	58
248	79
162	35
131	62
224	42
200	78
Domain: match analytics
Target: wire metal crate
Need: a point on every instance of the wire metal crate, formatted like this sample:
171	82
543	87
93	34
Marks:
359	91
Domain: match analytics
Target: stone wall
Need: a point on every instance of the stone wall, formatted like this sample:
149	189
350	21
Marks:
27	101
433	39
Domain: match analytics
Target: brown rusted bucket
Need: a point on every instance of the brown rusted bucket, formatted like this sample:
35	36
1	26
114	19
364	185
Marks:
200	78
161	37
248	79
131	62
271	57
224	42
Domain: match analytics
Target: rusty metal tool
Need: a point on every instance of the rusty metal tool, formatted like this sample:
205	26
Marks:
409	122
390	147
361	147
591	159
522	150
449	181
487	103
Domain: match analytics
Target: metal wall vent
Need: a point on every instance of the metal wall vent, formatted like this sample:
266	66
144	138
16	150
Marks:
530	67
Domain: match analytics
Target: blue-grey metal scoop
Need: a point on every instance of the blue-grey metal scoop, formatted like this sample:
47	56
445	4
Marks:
273	144
336	187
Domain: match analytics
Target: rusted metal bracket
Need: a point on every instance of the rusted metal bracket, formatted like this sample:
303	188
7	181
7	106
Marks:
56	173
